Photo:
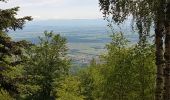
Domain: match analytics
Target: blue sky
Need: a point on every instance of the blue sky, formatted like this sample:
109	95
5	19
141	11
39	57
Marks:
56	9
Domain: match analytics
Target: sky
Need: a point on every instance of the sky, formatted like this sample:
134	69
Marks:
56	9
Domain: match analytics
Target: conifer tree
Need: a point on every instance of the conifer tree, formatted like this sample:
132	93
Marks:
10	51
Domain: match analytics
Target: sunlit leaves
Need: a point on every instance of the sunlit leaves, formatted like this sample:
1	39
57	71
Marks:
45	63
69	89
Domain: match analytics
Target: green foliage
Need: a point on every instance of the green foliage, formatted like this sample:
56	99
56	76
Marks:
141	10
11	68
5	95
144	61
118	76
125	73
41	72
145	13
69	89
8	19
46	63
91	80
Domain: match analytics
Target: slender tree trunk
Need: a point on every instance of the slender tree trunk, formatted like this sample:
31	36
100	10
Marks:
159	42
166	95
167	64
159	59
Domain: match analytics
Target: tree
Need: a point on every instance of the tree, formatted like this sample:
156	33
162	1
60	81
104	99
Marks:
10	51
167	53
8	19
118	77
129	75
69	89
92	79
143	63
46	63
124	72
145	12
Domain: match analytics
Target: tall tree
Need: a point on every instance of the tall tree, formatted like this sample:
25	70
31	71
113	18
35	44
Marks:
159	34
145	12
167	52
10	51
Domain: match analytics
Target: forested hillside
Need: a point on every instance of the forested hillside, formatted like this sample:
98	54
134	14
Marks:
126	71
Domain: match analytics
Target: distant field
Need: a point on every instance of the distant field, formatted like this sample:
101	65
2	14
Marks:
86	38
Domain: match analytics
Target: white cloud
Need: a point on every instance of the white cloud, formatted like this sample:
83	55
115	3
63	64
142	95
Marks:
30	3
42	2
56	9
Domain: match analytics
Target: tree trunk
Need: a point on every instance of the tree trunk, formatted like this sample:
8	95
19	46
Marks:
159	59
166	95
167	64
159	42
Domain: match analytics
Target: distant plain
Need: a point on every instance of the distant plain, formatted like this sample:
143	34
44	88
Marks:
86	38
